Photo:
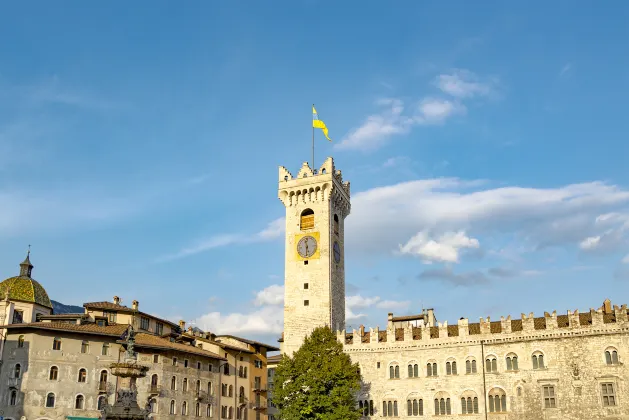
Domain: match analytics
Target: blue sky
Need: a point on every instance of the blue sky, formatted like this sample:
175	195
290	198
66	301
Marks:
486	145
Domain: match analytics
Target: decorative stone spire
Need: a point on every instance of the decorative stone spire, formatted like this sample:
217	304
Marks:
26	268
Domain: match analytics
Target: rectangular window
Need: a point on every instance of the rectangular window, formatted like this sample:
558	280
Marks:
174	361
609	395
305	286
18	317
111	317
199	365
156	358
159	328
144	323
185	363
550	400
306	302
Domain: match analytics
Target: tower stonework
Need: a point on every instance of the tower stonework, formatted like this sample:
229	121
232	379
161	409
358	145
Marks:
317	204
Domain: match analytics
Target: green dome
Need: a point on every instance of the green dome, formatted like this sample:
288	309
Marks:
25	289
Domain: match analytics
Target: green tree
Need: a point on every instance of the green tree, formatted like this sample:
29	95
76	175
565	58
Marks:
318	382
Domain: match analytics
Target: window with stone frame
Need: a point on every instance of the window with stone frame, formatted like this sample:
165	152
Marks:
50	400
469	403
172	407
18	317
470	366
173	383
105	349
13	397
549	396
394	371
413	370
159	328
54	373
185	385
17	371
431	369
512	362
538	360
56	343
79	402
497	400
390	408
111	317
184	408
82	375
491	364
144	323
20	341
414	407
611	356
366	407
443	406
85	347
451	367
307	220
608	393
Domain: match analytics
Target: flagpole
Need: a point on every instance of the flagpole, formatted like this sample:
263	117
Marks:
313	161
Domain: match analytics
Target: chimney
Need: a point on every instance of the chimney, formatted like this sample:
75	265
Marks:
116	300
134	305
182	325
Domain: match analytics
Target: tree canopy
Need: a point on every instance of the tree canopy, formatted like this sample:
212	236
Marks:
318	382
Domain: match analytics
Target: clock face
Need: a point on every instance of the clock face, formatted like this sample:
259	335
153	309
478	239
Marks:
307	246
337	252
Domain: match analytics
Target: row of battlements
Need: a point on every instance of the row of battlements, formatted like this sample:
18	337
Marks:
604	316
306	172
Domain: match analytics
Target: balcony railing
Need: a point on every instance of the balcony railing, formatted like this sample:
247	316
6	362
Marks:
242	400
259	406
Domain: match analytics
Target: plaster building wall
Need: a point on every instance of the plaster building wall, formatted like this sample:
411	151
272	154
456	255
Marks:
573	346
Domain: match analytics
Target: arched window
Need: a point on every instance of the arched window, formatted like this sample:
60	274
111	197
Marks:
198	387
17	371
389	408
208	411
153	405
210	389
79	402
172	407
82	375
231	412
197	410
413	370
307	219
231	391
173	383
415	407
226	369
50	400
470	366
611	356
20	341
101	402
431	369
443	406
497	401
512	361
184	408
538	360
451	367
240	372
469	403
56	344
336	224
105	350
85	346
13	397
491	364
245	373
184	386
54	373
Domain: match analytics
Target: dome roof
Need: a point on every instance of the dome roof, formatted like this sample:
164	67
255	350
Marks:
25	289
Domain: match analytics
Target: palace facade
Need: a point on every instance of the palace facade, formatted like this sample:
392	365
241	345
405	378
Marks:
566	366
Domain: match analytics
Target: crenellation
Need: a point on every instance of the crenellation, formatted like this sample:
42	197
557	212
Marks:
284	174
506	324
597	318
463	326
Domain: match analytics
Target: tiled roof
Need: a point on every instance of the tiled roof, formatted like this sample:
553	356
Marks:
25	289
56	316
153	341
222	345
109	306
109	330
453	330
252	342
399	334
274	359
495	327
408	318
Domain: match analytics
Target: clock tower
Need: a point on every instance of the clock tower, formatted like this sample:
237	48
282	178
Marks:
317	203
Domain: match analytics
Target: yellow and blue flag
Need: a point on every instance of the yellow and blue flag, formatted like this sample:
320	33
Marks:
317	123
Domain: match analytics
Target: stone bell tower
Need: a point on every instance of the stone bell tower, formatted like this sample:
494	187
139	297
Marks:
317	203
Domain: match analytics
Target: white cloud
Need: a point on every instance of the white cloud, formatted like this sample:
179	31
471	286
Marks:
590	243
445	248
392	120
383	217
273	230
272	295
265	320
626	259
462	84
354	302
394	305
